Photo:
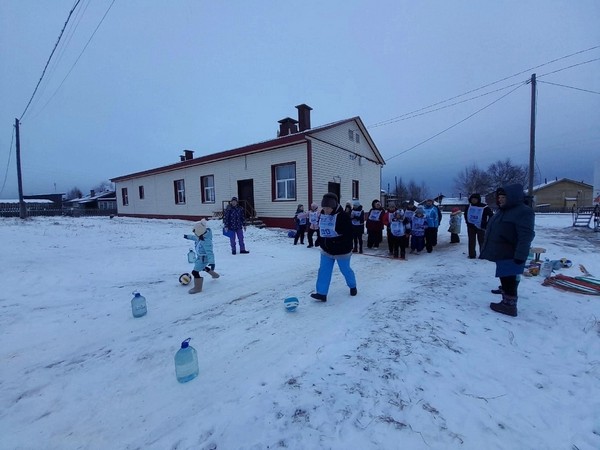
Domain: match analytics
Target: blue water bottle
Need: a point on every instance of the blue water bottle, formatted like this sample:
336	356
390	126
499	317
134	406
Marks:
186	362
191	256
138	305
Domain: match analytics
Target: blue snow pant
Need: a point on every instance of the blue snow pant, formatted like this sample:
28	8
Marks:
326	270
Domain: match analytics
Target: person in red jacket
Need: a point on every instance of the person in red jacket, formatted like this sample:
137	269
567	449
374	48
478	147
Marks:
375	224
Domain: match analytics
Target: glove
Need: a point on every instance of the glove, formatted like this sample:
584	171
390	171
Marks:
519	261
225	229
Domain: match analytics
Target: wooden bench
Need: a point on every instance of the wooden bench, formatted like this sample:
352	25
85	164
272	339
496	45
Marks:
537	251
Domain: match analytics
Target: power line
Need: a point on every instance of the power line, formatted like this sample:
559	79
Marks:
457	123
8	163
569	67
395	119
48	62
407	117
78	57
571	87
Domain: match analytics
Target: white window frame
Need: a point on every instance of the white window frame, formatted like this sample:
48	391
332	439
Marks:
208	190
285	188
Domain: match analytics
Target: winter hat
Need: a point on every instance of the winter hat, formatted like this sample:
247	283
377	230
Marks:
300	206
330	200
200	227
234	199
356	203
455	210
391	205
475	196
374	202
500	191
420	210
313	205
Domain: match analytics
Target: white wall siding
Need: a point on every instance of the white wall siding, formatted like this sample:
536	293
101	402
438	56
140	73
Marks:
159	189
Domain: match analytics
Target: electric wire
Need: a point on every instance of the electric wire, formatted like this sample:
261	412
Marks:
394	119
457	123
8	163
48	62
571	87
78	57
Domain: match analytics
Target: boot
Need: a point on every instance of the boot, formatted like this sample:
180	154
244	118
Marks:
319	297
213	274
197	286
507	306
353	291
497	291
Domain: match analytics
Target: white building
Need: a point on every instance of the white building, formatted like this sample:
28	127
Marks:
270	178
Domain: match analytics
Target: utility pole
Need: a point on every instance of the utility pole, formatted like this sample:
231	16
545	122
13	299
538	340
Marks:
22	209
532	139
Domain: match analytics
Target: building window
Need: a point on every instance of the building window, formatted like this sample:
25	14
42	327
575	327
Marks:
179	187
355	193
351	135
141	192
357	138
207	184
124	197
284	181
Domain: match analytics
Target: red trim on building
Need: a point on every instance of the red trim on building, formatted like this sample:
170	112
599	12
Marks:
309	170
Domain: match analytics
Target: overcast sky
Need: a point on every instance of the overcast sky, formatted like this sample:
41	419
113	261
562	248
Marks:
159	77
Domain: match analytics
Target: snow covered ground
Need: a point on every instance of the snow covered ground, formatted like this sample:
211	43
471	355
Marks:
416	361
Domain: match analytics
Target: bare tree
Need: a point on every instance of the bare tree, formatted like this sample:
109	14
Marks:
103	187
473	179
401	192
505	172
74	193
415	192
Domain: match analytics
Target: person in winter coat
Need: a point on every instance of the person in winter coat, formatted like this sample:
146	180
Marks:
336	245
477	216
417	231
375	225
348	208
205	257
387	218
454	225
507	242
300	219
313	225
434	218
357	216
234	220
409	209
399	233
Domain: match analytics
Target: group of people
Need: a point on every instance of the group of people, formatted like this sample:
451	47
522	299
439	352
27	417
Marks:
503	237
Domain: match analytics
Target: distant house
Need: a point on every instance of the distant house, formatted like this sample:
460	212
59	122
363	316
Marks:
94	203
562	195
270	178
447	203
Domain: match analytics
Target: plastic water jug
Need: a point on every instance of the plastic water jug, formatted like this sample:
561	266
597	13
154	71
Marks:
138	305
186	362
546	269
191	256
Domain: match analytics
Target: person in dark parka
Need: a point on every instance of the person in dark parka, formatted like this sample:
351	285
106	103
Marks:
507	242
336	245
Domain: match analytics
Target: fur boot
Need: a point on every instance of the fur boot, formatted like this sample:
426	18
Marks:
197	286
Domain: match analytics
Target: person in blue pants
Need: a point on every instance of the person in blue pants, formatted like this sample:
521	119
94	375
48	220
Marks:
336	235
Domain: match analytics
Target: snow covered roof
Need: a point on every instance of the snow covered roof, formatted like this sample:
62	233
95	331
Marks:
29	200
550	183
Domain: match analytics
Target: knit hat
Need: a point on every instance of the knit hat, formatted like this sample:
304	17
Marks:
373	203
355	203
475	196
455	210
234	199
200	227
313	205
330	200
420	210
500	191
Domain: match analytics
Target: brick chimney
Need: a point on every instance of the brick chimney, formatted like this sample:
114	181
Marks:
189	154
92	193
303	117
287	126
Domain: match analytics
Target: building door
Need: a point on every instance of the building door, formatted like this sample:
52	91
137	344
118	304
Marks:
246	196
335	189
